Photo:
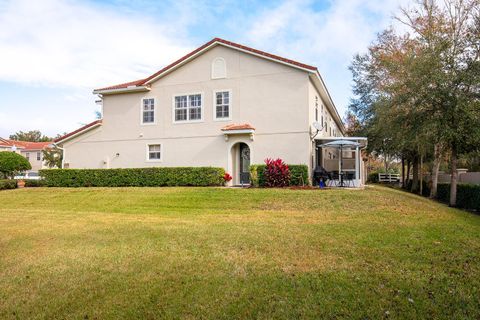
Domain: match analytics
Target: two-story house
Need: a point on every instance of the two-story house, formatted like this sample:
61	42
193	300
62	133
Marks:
32	151
222	105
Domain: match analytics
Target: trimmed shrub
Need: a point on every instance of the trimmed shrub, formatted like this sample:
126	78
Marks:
468	195
34	183
137	177
298	175
12	163
8	184
257	175
372	177
255	172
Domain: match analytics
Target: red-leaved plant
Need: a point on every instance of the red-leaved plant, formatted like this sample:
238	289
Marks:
276	173
227	177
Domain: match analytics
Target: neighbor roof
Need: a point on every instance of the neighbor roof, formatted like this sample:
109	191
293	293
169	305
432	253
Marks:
24	145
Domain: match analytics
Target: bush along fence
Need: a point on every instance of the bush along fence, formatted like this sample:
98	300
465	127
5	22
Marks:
8	184
138	177
298	175
468	195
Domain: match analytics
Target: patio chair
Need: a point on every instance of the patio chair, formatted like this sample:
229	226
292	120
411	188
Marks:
334	179
349	178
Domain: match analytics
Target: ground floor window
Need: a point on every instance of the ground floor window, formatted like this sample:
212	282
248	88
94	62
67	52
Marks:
154	152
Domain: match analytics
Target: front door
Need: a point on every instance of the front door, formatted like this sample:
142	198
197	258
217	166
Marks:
244	164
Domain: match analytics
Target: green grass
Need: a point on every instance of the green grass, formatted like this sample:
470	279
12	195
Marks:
215	253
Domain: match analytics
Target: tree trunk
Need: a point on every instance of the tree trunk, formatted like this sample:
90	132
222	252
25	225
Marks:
453	181
415	174
386	162
408	173
436	167
421	174
403	172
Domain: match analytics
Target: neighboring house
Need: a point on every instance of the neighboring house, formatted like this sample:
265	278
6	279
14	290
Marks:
222	105
32	151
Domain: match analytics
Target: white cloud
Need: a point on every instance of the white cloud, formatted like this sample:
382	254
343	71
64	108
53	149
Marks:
327	38
67	43
53	53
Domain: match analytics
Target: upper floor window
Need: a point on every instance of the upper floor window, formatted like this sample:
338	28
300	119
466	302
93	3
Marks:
188	108
27	156
154	152
39	156
148	110
219	69
222	105
316	108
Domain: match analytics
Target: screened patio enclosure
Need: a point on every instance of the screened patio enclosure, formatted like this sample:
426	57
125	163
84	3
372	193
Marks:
341	158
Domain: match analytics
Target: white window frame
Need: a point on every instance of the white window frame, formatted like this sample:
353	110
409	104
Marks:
27	156
147	149
202	108
39	156
154	112
214	98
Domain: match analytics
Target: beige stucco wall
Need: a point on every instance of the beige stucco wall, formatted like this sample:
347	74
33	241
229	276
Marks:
36	164
274	98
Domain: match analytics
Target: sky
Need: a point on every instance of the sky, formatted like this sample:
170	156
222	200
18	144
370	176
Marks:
54	53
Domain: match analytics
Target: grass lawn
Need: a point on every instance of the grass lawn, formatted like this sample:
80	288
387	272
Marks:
214	253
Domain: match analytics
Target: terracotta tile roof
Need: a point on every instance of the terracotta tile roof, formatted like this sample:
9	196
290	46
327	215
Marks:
5	143
215	40
36	145
24	145
124	85
244	126
85	127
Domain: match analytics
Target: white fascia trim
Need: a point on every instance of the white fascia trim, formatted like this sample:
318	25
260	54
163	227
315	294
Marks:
123	90
330	103
78	133
228	46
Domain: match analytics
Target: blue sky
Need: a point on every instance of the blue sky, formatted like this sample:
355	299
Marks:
54	53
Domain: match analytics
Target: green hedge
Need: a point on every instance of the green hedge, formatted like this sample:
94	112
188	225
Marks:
468	195
298	175
34	183
372	177
138	177
8	184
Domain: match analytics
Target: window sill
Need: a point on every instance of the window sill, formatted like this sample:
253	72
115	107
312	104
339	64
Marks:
222	119
188	121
